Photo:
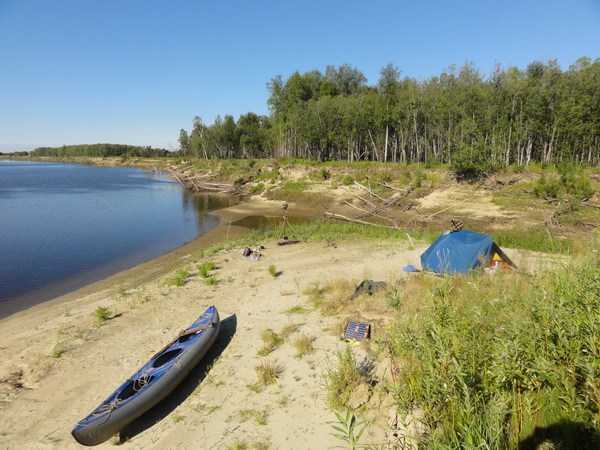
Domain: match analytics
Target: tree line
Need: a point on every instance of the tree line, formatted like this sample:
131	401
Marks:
100	150
512	116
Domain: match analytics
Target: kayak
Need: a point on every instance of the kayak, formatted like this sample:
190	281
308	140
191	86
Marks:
152	383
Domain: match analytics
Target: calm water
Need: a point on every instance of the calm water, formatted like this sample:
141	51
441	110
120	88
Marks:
63	226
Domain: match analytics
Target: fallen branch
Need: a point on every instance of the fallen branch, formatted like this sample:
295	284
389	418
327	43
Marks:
404	191
330	215
389	202
176	177
373	205
586	224
193	182
369	213
369	191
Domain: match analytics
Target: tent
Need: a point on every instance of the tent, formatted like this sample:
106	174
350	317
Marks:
463	251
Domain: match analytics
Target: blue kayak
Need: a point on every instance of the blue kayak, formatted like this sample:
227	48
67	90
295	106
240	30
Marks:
152	383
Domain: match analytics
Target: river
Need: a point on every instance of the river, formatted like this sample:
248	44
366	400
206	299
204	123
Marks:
63	226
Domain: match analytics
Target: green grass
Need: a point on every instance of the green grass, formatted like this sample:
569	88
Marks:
342	378
179	278
102	314
268	372
258	187
260	417
272	271
297	309
304	345
503	362
211	281
58	350
205	268
271	342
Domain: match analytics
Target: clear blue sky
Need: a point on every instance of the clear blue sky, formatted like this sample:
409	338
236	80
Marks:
137	71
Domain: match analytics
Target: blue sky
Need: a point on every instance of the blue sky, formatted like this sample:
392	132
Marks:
137	71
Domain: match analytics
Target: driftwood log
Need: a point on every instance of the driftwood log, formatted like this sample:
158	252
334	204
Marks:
330	215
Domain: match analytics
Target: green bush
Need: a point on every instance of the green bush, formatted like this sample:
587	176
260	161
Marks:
347	180
205	268
571	184
257	188
493	360
470	163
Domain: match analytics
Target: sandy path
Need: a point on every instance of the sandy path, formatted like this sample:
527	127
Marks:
42	397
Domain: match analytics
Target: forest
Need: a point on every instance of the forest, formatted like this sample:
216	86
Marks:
541	114
100	150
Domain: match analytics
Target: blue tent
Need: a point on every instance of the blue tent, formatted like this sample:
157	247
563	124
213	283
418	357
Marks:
461	252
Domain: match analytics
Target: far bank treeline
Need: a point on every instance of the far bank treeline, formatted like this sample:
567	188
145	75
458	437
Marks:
543	114
100	150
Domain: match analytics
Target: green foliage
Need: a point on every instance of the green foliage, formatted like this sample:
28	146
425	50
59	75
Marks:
393	299
536	240
102	314
258	187
270	176
348	428
179	278
205	268
473	162
100	150
344	377
320	175
211	281
303	345
347	180
272	271
297	309
271	341
58	350
493	360
268	372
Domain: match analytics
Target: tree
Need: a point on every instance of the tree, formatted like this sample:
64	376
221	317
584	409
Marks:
184	142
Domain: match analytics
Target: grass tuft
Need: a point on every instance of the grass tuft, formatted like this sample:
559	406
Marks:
205	268
102	314
58	350
304	345
271	341
178	279
268	372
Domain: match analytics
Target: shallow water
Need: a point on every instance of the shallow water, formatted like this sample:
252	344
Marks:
63	226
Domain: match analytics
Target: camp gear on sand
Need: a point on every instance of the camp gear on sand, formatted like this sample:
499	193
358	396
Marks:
461	252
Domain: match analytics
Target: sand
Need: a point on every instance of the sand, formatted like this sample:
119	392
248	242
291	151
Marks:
43	394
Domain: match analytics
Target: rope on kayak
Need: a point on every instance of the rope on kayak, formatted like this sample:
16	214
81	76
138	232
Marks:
108	407
142	381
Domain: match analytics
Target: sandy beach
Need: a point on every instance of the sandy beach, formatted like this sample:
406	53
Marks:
43	395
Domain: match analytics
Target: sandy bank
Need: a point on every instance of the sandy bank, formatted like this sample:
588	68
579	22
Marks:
43	395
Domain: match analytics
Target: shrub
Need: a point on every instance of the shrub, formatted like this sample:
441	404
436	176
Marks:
102	314
257	188
492	362
471	163
58	350
268	372
179	278
272	270
206	267
271	341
